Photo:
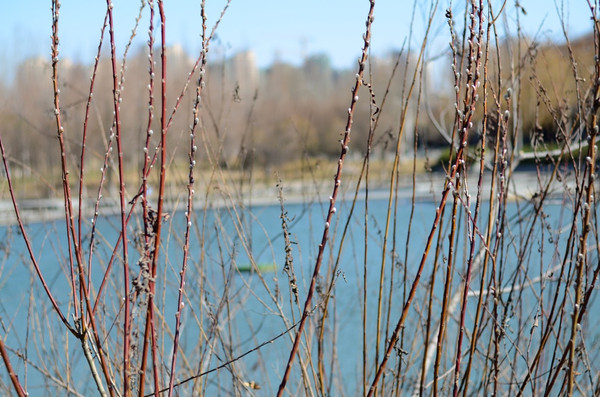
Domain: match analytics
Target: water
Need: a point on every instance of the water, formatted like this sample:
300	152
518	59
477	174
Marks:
230	313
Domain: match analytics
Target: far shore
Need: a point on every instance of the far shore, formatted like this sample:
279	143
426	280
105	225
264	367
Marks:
428	187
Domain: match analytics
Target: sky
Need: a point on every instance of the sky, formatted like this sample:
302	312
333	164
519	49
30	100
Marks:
281	30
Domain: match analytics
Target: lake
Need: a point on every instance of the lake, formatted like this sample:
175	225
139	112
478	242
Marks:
228	312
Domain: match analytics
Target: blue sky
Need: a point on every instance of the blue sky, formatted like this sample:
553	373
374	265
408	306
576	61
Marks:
273	29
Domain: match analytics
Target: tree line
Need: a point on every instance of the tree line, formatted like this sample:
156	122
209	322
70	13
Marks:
267	117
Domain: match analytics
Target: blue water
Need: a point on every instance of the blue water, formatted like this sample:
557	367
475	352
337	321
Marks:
224	237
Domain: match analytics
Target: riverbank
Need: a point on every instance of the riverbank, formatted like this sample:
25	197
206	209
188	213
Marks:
427	187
